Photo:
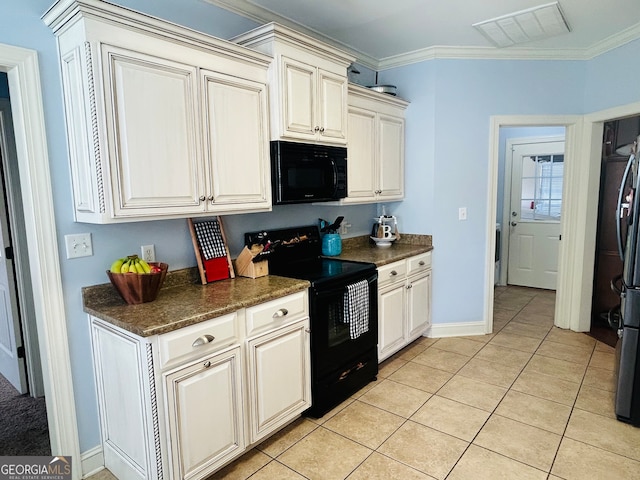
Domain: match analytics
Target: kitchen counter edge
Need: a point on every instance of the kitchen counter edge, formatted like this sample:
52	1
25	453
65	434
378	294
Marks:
359	249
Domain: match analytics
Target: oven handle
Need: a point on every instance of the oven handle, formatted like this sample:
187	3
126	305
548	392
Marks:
325	292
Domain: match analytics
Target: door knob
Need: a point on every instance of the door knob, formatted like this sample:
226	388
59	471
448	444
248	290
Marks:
513	224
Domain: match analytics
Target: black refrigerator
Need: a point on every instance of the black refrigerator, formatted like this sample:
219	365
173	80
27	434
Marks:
627	401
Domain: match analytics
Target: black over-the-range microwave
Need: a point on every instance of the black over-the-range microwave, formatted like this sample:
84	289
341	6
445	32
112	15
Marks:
302	172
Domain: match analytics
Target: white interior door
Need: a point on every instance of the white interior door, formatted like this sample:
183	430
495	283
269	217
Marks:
12	365
536	205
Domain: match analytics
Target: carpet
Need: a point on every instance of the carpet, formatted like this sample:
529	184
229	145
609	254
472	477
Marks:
23	423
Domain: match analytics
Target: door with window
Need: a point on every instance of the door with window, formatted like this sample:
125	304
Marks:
535	212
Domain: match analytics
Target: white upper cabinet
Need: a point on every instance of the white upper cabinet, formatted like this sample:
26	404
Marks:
375	156
162	121
308	85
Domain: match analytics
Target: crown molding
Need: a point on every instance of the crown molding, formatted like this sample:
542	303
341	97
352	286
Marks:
260	15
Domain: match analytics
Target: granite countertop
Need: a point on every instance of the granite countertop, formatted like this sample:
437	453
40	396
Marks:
184	301
181	303
359	249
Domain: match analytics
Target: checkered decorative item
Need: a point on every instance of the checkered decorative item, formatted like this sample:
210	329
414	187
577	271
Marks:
211	250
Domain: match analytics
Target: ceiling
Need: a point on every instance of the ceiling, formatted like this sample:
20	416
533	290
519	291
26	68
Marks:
383	33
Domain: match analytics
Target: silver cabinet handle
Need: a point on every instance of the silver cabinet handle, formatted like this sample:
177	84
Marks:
207	364
281	313
202	198
211	198
317	129
203	340
321	129
409	286
421	263
393	273
513	224
308	330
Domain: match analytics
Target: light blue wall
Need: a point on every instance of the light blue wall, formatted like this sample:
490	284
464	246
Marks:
446	165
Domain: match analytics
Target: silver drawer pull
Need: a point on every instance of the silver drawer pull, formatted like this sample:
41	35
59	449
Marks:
421	263
203	340
393	273
281	313
207	364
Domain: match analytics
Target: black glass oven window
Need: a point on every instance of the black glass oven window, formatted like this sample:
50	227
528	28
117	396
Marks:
338	330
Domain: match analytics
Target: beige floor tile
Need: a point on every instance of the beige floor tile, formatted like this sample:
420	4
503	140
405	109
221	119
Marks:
103	474
455	418
479	338
570	338
389	366
421	377
503	355
459	345
604	360
578	461
540	308
526	329
426	341
603	347
365	424
441	359
512	301
489	372
605	433
478	463
524	443
292	433
535	411
516	342
333	411
411	351
601	378
243	467
425	449
472	392
561	351
364	390
572	372
324	455
534	318
503	314
498	325
396	398
379	467
277	470
595	400
547	387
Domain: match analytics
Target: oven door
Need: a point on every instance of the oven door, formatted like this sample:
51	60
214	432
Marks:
332	342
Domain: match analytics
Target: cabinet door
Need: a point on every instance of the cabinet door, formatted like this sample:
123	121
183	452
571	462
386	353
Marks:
418	305
237	142
204	408
298	99
391	157
153	134
361	170
279	378
391	314
332	107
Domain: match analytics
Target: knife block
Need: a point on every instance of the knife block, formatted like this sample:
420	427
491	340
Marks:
246	268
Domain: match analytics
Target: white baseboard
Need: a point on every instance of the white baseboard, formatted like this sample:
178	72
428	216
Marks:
92	461
440	330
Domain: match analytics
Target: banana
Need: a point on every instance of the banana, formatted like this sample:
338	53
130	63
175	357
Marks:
126	266
116	267
145	266
138	265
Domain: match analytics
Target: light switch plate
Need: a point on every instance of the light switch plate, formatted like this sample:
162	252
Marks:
462	213
78	245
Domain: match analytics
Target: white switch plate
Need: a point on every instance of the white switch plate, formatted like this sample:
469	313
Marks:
78	245
462	213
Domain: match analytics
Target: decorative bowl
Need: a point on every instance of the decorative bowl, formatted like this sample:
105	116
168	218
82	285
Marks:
135	288
383	242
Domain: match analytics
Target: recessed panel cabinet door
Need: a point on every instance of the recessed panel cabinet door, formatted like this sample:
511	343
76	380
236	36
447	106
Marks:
331	105
391	327
153	134
204	402
237	142
419	305
299	116
361	171
391	161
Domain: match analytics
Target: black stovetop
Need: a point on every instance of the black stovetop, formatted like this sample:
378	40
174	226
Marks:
297	253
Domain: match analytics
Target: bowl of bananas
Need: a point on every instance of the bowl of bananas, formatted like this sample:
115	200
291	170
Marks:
136	280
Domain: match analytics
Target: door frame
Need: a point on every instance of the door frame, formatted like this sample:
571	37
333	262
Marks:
27	107
573	189
506	200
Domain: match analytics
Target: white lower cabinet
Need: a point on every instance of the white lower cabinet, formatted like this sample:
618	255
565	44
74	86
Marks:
181	405
404	303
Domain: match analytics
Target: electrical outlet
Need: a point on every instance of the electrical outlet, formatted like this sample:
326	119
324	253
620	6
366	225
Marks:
148	253
344	227
78	245
462	213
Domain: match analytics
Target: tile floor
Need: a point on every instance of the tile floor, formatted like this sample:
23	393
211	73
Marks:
529	401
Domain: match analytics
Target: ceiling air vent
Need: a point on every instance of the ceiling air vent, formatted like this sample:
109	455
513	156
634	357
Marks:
533	23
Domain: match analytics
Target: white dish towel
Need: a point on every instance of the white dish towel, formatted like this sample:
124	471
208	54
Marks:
356	308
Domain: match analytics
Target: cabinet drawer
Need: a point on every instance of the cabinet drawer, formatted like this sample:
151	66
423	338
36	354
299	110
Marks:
197	340
277	312
419	263
392	273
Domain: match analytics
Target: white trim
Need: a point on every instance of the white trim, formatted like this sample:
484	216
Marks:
92	461
569	272
506	195
462	329
22	69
